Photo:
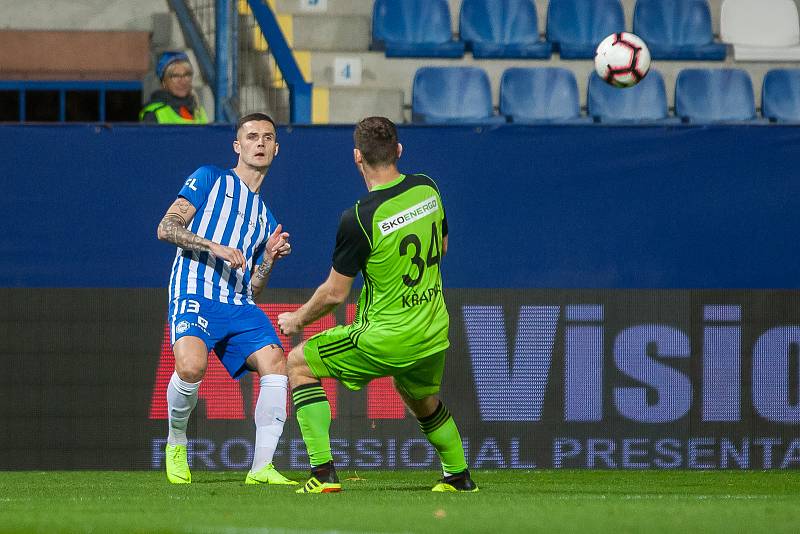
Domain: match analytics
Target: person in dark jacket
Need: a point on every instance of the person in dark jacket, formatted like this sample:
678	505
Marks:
176	103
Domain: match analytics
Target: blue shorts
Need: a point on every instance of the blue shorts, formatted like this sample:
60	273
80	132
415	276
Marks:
234	332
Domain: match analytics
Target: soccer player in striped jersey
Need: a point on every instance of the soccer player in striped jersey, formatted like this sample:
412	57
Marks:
228	241
396	237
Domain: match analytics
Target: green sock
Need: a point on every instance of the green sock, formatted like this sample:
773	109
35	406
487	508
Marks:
442	432
314	417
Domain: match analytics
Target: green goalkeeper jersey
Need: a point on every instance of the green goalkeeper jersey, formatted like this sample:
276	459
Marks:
394	237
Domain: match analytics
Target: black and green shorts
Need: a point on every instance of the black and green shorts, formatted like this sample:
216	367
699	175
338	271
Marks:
332	354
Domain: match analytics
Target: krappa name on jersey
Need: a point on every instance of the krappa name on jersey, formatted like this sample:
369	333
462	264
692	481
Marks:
415	299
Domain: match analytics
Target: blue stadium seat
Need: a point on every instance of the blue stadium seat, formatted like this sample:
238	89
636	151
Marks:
713	95
414	28
780	96
539	94
576	27
678	29
646	101
442	95
502	29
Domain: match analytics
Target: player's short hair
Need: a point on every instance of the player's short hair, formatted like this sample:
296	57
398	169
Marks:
255	117
376	138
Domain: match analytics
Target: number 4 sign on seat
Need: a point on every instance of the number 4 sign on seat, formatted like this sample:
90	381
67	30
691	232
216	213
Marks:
313	5
347	71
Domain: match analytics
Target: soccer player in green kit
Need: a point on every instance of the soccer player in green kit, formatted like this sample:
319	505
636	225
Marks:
396	236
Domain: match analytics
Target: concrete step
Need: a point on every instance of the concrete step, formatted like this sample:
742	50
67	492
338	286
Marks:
327	7
83	15
325	32
348	105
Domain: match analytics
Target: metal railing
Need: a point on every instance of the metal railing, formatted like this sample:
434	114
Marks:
289	71
256	70
261	85
210	27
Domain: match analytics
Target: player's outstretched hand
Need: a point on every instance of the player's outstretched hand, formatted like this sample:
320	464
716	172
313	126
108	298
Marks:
288	323
234	257
278	244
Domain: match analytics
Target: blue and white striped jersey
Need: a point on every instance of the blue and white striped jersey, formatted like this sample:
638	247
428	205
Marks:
230	214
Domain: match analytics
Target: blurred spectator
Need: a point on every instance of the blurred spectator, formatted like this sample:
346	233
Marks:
176	103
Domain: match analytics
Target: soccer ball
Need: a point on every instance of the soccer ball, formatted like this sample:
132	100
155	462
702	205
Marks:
622	59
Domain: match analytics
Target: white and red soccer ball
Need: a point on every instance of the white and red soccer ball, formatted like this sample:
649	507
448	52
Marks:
622	59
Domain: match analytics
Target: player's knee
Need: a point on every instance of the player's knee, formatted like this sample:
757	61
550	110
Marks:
423	407
298	370
268	361
296	359
191	358
190	370
276	360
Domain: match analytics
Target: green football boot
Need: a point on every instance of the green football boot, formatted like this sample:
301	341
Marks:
460	482
314	485
267	475
323	480
177	465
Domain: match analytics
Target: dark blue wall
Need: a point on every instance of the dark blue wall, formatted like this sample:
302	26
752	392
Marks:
550	207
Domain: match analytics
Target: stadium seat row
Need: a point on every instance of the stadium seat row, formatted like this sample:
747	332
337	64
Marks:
444	95
673	29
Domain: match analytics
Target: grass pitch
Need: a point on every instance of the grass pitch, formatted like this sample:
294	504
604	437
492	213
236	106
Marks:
401	501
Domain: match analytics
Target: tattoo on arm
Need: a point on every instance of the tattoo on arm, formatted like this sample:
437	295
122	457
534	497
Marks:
260	277
173	228
180	219
183	205
264	269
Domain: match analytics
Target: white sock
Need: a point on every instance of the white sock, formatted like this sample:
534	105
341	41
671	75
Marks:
270	416
181	400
